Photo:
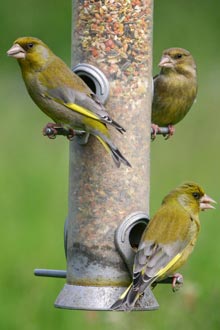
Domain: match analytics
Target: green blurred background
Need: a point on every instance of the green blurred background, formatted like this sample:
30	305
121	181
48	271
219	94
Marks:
34	176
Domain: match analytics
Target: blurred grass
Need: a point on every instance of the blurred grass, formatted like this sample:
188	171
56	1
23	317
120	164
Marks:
34	177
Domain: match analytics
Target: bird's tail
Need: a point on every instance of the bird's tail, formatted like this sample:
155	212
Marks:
127	300
117	126
100	130
111	148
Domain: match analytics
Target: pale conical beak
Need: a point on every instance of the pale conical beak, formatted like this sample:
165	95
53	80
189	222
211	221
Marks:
16	51
166	62
205	203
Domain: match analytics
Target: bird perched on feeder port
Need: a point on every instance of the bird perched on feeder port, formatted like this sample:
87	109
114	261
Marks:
62	95
167	241
175	89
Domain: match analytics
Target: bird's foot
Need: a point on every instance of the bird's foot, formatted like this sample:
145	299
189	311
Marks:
171	131
177	282
70	134
155	129
51	130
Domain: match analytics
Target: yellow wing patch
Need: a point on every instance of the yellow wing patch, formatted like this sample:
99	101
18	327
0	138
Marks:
168	266
85	112
75	107
104	144
125	292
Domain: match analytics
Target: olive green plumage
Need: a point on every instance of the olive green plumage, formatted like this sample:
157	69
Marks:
61	94
167	241
175	87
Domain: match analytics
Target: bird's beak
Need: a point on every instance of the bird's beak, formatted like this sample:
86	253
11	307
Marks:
205	203
16	51
165	62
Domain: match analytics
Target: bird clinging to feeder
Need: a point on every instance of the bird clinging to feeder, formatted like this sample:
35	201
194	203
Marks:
62	95
175	89
167	241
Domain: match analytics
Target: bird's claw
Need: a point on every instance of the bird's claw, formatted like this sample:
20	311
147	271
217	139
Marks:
70	134
155	129
50	130
171	131
167	131
177	282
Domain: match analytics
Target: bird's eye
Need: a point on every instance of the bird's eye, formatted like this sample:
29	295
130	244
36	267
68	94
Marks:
30	45
177	56
196	195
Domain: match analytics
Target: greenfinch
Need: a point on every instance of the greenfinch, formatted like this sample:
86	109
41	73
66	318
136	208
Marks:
167	241
175	89
62	95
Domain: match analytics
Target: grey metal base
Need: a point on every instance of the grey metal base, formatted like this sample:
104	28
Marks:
99	298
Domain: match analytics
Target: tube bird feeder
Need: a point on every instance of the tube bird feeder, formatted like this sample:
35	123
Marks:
109	206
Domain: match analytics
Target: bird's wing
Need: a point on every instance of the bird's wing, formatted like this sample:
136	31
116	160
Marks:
85	103
162	244
154	260
76	101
